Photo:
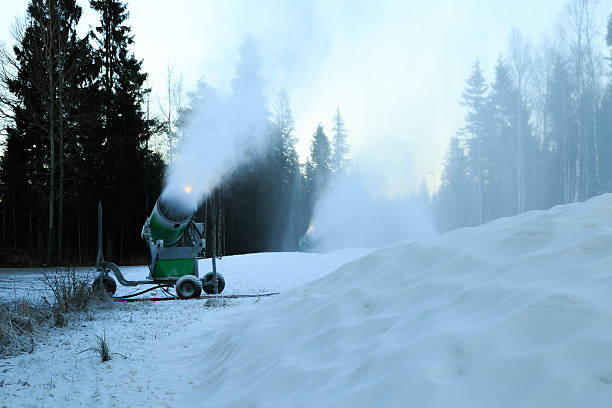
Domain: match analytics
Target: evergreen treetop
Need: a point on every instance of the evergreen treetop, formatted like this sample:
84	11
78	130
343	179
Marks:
340	145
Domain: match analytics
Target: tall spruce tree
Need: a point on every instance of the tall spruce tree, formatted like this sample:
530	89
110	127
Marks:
283	139
455	197
339	145
75	80
320	163
504	154
284	160
474	99
130	169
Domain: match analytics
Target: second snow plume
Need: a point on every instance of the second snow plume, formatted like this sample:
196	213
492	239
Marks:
349	214
219	133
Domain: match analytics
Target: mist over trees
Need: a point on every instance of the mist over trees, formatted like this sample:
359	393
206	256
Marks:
267	202
539	132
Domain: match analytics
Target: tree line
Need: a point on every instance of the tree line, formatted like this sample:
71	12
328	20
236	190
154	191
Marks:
77	127
539	133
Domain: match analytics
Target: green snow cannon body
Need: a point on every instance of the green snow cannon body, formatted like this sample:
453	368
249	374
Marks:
174	240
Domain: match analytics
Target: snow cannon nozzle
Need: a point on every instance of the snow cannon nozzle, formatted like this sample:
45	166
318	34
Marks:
173	208
168	220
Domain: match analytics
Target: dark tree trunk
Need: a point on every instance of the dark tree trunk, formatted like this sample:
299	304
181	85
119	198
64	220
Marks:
60	220
51	85
14	218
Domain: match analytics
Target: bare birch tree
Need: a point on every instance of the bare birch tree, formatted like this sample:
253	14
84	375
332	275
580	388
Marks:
171	109
520	62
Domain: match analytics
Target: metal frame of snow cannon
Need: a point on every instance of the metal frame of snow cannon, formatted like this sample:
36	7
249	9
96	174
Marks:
193	250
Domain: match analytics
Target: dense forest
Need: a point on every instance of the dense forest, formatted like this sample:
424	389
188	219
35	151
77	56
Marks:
78	129
540	132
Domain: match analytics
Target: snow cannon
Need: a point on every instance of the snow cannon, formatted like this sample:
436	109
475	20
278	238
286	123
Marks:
176	243
174	240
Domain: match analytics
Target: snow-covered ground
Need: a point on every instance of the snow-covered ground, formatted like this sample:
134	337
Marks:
60	374
515	313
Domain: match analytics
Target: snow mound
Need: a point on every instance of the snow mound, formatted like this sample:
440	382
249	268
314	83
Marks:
517	312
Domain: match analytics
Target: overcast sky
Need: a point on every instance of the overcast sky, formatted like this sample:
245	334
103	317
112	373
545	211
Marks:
396	69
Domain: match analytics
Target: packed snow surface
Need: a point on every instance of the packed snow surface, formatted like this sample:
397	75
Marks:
515	313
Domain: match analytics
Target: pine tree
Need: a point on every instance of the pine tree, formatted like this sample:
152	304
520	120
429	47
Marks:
320	163
74	80
339	144
503	133
283	139
287	184
454	198
474	99
126	129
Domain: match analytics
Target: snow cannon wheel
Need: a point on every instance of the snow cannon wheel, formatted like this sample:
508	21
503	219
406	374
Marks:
109	286
188	286
207	283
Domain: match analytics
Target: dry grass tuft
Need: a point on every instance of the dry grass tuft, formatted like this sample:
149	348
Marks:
20	324
71	290
103	349
23	321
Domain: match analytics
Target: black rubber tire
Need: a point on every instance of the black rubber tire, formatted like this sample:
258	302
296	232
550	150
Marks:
188	286
108	284
207	283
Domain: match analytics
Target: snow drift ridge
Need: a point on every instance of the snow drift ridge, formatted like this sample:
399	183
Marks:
516	312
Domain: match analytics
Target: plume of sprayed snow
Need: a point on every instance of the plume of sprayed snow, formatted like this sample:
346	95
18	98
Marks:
351	215
220	132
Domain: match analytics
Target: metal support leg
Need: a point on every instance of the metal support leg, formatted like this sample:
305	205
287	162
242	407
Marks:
215	279
100	259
